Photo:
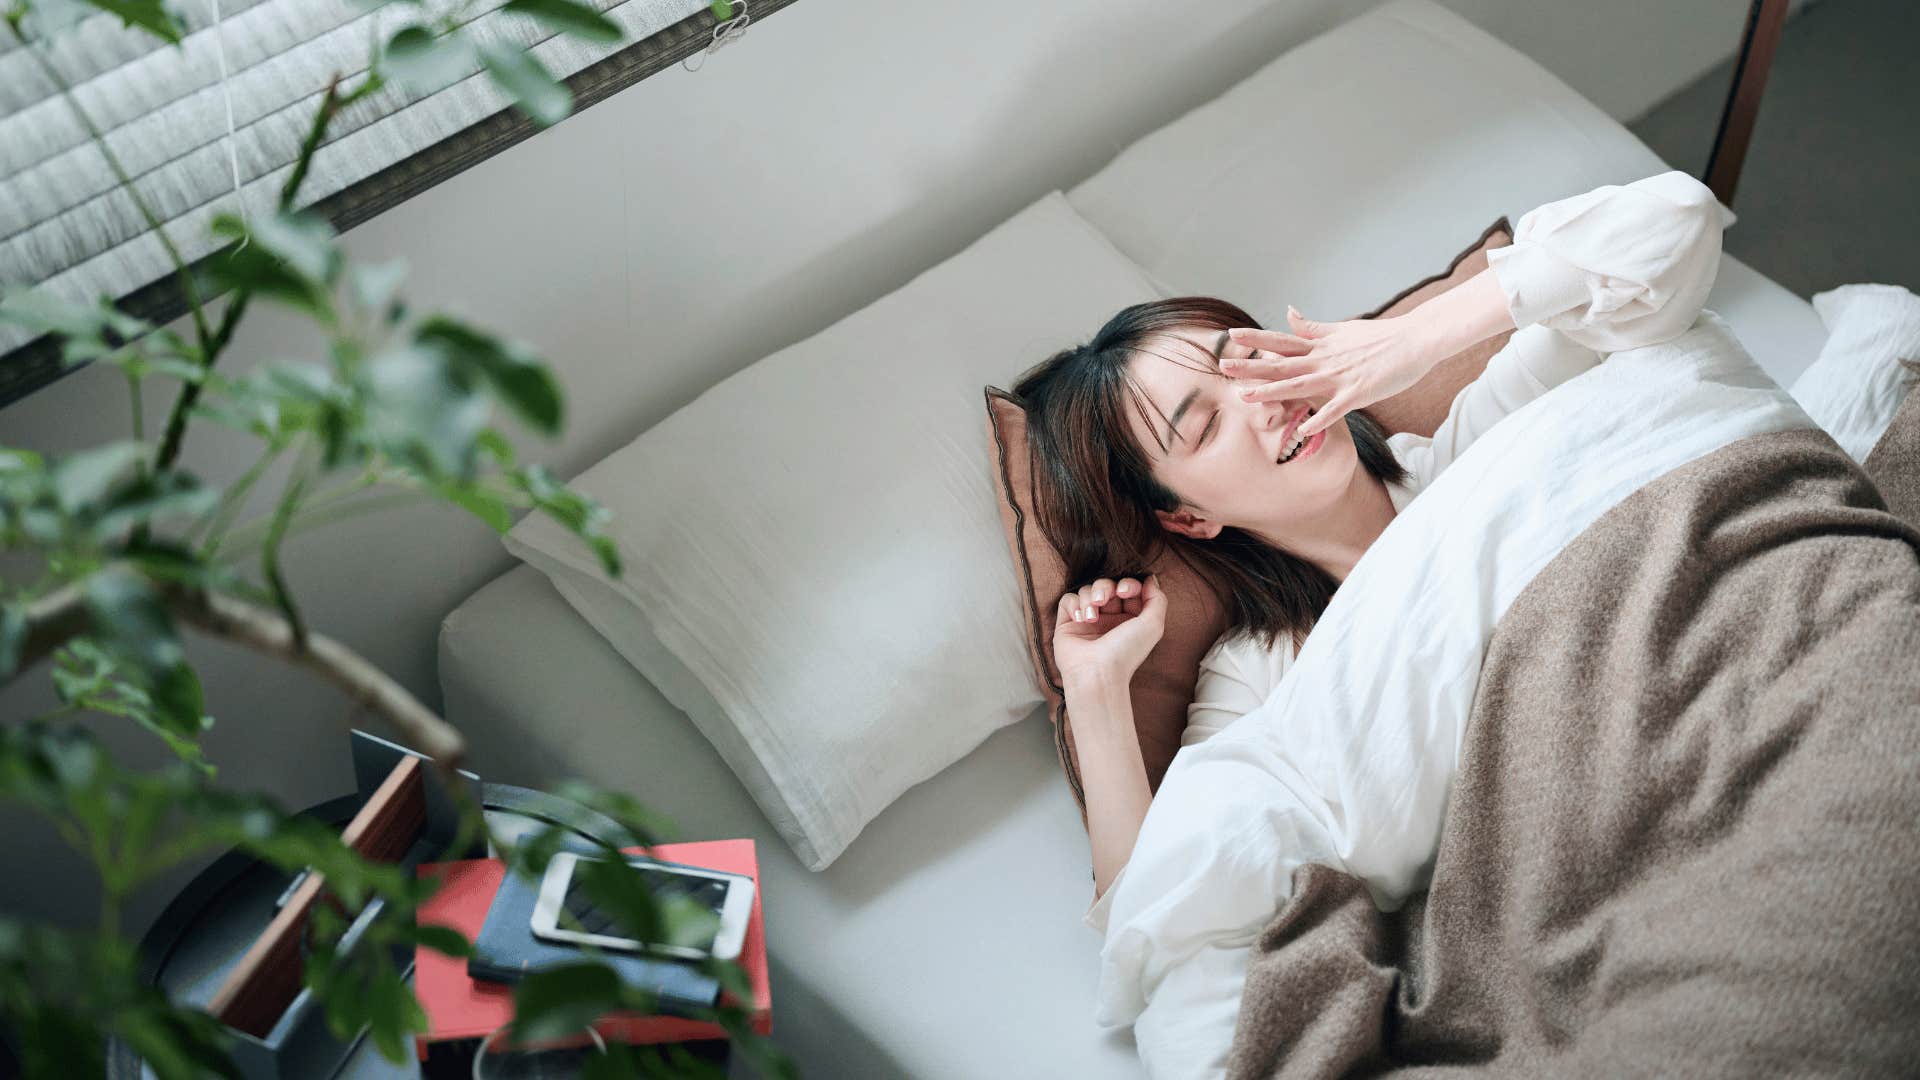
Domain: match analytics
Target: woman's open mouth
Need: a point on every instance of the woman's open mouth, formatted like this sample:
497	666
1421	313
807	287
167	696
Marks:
1298	447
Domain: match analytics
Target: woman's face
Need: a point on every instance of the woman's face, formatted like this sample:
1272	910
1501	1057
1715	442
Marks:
1223	456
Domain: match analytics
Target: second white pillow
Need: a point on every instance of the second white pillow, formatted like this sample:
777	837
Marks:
1857	384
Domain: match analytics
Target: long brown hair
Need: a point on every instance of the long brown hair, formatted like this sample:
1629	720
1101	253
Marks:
1094	490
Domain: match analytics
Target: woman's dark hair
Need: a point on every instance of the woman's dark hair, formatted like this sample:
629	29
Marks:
1094	490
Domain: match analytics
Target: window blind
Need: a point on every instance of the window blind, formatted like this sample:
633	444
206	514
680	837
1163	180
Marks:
67	226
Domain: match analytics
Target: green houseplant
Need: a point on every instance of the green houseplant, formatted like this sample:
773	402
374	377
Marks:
129	550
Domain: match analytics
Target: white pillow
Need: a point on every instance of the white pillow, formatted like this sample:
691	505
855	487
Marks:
815	570
1857	384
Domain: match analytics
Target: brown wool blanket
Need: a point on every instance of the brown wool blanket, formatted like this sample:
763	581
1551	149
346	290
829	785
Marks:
1685	834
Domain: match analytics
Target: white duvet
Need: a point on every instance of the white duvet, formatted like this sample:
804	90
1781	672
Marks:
1349	760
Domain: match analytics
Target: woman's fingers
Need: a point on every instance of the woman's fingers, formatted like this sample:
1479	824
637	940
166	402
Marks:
1065	610
1092	599
1089	602
1273	341
1268	367
1303	326
1325	415
1312	385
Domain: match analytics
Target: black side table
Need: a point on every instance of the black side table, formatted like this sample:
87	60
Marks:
209	925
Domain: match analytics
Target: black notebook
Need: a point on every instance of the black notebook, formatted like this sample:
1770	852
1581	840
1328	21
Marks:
507	949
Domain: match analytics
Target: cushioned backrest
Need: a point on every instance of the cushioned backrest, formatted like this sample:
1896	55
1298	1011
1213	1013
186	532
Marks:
1352	164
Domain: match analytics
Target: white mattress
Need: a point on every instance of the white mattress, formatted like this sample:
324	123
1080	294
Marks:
946	941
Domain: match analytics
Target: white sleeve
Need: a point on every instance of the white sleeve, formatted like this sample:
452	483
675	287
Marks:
1618	267
1236	675
1615	268
1229	687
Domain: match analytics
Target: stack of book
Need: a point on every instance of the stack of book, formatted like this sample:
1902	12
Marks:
467	1000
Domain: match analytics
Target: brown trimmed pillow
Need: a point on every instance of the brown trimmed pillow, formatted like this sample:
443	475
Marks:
1164	686
1420	407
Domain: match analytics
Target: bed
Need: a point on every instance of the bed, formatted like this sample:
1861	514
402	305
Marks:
946	940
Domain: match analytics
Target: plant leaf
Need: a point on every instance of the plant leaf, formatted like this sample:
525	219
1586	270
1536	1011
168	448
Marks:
559	1001
444	940
148	15
304	241
376	284
545	100
13	633
581	515
686	922
568	17
424	410
253	269
171	494
495	445
178	703
423	62
481	503
515	374
82	480
133	622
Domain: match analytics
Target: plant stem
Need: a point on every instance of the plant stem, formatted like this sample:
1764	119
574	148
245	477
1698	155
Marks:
253	531
366	684
210	351
212	348
270	554
139	419
232	499
337	511
62	614
329	106
55	713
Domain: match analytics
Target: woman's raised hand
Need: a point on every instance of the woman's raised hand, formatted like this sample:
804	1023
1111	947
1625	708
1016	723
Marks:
1107	628
1348	365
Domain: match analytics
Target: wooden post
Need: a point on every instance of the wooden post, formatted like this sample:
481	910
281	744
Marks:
1764	21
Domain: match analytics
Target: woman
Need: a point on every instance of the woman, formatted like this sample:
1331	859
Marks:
1250	452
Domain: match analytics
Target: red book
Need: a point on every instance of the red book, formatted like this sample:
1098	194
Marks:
459	1007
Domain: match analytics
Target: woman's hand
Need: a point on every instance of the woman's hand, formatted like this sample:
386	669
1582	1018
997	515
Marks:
1106	629
1348	365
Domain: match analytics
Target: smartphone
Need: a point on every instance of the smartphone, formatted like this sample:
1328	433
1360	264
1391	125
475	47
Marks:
729	897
